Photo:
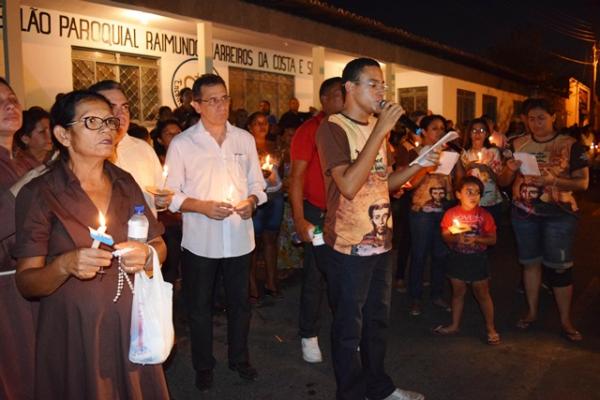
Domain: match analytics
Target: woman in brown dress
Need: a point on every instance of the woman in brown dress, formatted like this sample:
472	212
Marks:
17	315
83	335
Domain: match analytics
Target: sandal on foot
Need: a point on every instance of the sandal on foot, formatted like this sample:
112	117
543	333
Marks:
524	324
493	339
442	304
574	336
442	330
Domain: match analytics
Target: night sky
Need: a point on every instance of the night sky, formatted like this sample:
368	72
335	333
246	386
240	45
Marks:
518	34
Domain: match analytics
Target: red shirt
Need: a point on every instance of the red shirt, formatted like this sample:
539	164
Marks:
481	223
304	148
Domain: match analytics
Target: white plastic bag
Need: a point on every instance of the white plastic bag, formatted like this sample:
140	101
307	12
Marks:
152	333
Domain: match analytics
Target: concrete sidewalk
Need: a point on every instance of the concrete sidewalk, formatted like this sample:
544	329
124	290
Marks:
533	364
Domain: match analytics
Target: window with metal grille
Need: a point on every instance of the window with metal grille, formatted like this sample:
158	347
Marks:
490	106
414	98
138	76
465	106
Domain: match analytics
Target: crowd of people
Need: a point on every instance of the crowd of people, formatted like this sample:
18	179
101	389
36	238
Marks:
332	191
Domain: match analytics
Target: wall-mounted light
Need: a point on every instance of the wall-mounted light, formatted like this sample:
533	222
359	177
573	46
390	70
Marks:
142	17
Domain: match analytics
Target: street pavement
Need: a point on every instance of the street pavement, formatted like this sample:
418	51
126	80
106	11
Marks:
529	365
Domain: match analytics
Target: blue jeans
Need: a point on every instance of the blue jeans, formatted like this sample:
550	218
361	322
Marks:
359	292
548	239
426	240
268	216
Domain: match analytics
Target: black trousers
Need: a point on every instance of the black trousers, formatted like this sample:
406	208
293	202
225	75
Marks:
313	281
198	284
360	293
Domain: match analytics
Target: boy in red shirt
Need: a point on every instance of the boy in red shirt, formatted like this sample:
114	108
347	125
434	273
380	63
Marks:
468	229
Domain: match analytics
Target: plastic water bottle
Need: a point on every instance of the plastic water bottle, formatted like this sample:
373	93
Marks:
317	236
137	226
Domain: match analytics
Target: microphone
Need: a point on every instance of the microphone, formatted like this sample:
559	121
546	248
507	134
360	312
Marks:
407	122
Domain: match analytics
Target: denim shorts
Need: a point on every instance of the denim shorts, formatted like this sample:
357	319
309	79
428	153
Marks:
545	239
268	216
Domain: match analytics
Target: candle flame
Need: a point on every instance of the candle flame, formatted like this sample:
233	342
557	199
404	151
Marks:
455	222
101	219
416	144
479	156
165	171
267	164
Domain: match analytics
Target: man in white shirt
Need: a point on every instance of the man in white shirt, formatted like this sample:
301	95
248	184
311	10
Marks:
215	173
132	154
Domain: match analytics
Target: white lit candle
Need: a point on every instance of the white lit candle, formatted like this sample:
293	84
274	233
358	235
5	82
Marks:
456	222
479	157
267	164
165	175
229	197
101	229
417	143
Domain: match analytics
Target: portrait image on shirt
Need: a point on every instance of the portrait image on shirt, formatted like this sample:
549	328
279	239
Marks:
436	201
376	239
529	193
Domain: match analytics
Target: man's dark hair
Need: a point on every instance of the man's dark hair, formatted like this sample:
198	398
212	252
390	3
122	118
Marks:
377	207
183	91
533	103
428	120
206	80
107	84
431	189
266	102
328	84
470	180
353	69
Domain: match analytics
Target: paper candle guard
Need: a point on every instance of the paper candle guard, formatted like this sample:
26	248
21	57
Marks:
101	237
461	228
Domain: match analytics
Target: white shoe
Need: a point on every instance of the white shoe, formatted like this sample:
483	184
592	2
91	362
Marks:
405	395
310	350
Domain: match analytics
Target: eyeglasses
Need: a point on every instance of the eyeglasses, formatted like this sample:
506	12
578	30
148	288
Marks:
214	101
479	130
374	84
97	123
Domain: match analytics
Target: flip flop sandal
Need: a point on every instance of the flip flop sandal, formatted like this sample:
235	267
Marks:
441	330
493	339
574	336
524	323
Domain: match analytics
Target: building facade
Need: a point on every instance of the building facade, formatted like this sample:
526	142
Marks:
51	47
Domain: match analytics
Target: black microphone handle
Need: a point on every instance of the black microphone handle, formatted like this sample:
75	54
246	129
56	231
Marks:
407	122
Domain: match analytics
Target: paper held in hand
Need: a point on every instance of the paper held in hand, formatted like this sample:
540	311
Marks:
448	160
529	165
448	137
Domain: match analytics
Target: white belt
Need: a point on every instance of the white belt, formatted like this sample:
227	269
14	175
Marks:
6	273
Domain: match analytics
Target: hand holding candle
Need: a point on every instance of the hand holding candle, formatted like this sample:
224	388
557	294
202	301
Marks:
100	236
267	167
165	175
458	227
229	196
